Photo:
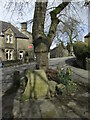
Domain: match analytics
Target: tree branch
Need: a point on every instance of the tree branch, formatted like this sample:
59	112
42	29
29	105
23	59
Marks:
55	21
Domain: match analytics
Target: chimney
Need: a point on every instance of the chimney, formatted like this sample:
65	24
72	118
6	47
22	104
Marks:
23	26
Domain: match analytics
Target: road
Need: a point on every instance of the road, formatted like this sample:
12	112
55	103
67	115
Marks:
52	63
58	62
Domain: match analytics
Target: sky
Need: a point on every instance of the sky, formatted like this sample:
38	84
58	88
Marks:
12	15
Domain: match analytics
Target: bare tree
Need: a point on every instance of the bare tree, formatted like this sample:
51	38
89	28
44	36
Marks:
69	30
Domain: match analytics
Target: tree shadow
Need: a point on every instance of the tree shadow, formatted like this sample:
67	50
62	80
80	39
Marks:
8	101
64	102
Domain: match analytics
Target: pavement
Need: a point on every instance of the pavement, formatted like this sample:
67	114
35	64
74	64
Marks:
78	74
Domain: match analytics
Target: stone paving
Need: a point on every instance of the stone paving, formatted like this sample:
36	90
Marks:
63	106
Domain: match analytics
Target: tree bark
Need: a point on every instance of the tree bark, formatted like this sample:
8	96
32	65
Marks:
39	38
41	52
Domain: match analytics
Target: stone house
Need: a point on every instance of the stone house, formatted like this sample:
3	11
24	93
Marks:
87	38
13	43
58	51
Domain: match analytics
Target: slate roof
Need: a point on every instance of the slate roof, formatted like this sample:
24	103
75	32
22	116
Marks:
88	35
5	25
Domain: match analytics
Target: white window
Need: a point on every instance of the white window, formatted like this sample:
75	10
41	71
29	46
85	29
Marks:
7	54
11	39
21	55
7	38
11	55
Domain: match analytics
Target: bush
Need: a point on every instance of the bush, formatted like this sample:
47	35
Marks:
88	51
65	78
9	63
80	50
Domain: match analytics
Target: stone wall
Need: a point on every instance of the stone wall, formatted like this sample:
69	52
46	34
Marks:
84	64
88	64
30	40
87	40
23	45
0	47
81	63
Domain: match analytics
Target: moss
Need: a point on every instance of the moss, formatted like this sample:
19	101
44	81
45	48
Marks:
23	98
37	85
49	114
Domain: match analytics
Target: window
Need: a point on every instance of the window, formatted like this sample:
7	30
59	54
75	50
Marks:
11	39
11	55
7	54
21	55
7	38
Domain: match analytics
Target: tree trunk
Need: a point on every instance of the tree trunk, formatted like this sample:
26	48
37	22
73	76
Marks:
41	52
39	38
71	49
42	42
42	60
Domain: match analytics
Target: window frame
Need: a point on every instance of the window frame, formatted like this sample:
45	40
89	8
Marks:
7	53
11	39
7	38
10	54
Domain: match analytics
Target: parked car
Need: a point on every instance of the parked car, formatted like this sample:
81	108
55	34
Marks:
1	65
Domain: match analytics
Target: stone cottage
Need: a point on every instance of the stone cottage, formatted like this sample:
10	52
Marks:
58	51
87	38
13	43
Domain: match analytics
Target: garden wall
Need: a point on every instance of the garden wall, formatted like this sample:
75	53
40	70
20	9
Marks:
88	64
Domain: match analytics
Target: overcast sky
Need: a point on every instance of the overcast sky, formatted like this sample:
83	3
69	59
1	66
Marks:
11	15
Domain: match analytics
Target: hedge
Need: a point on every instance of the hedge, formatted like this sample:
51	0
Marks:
81	50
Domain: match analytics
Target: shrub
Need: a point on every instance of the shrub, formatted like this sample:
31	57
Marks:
10	63
80	50
65	78
88	51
